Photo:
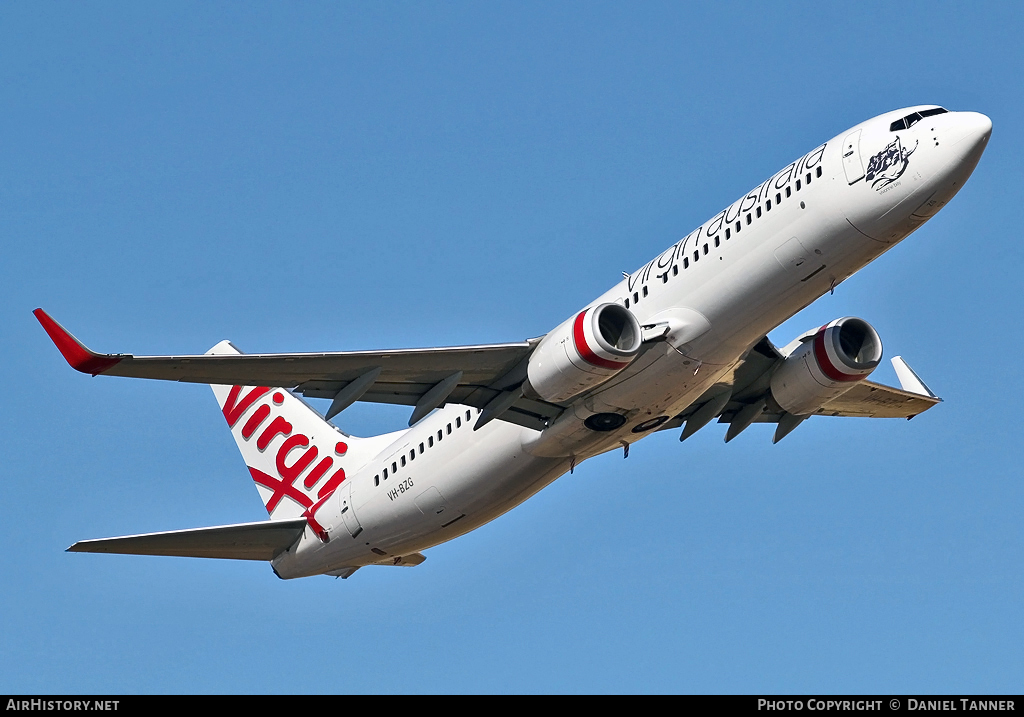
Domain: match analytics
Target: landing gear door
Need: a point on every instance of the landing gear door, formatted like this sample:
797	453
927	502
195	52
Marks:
851	157
436	507
348	514
793	256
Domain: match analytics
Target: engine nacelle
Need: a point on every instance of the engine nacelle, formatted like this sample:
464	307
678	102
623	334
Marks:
584	352
826	365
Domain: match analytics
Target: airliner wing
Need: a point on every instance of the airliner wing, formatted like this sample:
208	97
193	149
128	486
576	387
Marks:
425	378
244	541
750	380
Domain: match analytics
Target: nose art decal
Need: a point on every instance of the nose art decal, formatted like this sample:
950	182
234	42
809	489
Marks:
889	165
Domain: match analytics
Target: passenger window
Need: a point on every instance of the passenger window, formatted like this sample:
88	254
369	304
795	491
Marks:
686	263
458	421
439	436
675	270
412	454
636	297
739	226
798	185
717	243
467	415
394	468
759	212
449	429
817	172
645	291
808	177
705	250
696	255
421	449
627	302
748	217
376	479
768	205
430	442
728	233
789	191
403	461
778	198
385	474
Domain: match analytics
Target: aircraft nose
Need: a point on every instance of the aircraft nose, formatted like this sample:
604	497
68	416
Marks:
972	132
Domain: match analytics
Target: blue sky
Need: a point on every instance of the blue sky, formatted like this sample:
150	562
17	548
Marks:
331	176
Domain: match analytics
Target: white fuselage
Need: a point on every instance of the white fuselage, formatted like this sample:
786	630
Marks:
738	276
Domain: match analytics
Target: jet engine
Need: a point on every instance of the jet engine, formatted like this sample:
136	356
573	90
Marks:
584	352
827	364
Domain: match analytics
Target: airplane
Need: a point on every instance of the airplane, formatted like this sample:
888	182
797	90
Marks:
676	344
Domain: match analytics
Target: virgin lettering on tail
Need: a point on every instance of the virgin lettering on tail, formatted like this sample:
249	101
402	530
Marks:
295	457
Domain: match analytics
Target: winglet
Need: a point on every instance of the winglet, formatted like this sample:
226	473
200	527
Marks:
73	351
910	381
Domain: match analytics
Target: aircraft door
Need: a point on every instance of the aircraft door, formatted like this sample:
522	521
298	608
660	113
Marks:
348	514
851	157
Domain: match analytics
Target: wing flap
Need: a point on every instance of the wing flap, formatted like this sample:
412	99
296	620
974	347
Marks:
479	364
264	540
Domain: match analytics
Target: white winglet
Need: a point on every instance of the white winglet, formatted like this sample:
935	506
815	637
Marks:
910	381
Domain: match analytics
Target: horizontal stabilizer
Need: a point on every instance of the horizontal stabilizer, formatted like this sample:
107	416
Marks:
264	540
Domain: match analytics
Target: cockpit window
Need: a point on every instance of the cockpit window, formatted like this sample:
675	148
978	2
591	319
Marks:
905	123
915	117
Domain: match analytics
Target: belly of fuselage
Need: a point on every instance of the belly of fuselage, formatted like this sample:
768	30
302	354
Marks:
482	476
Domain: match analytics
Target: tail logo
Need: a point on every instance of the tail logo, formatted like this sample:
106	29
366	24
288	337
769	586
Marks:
294	456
